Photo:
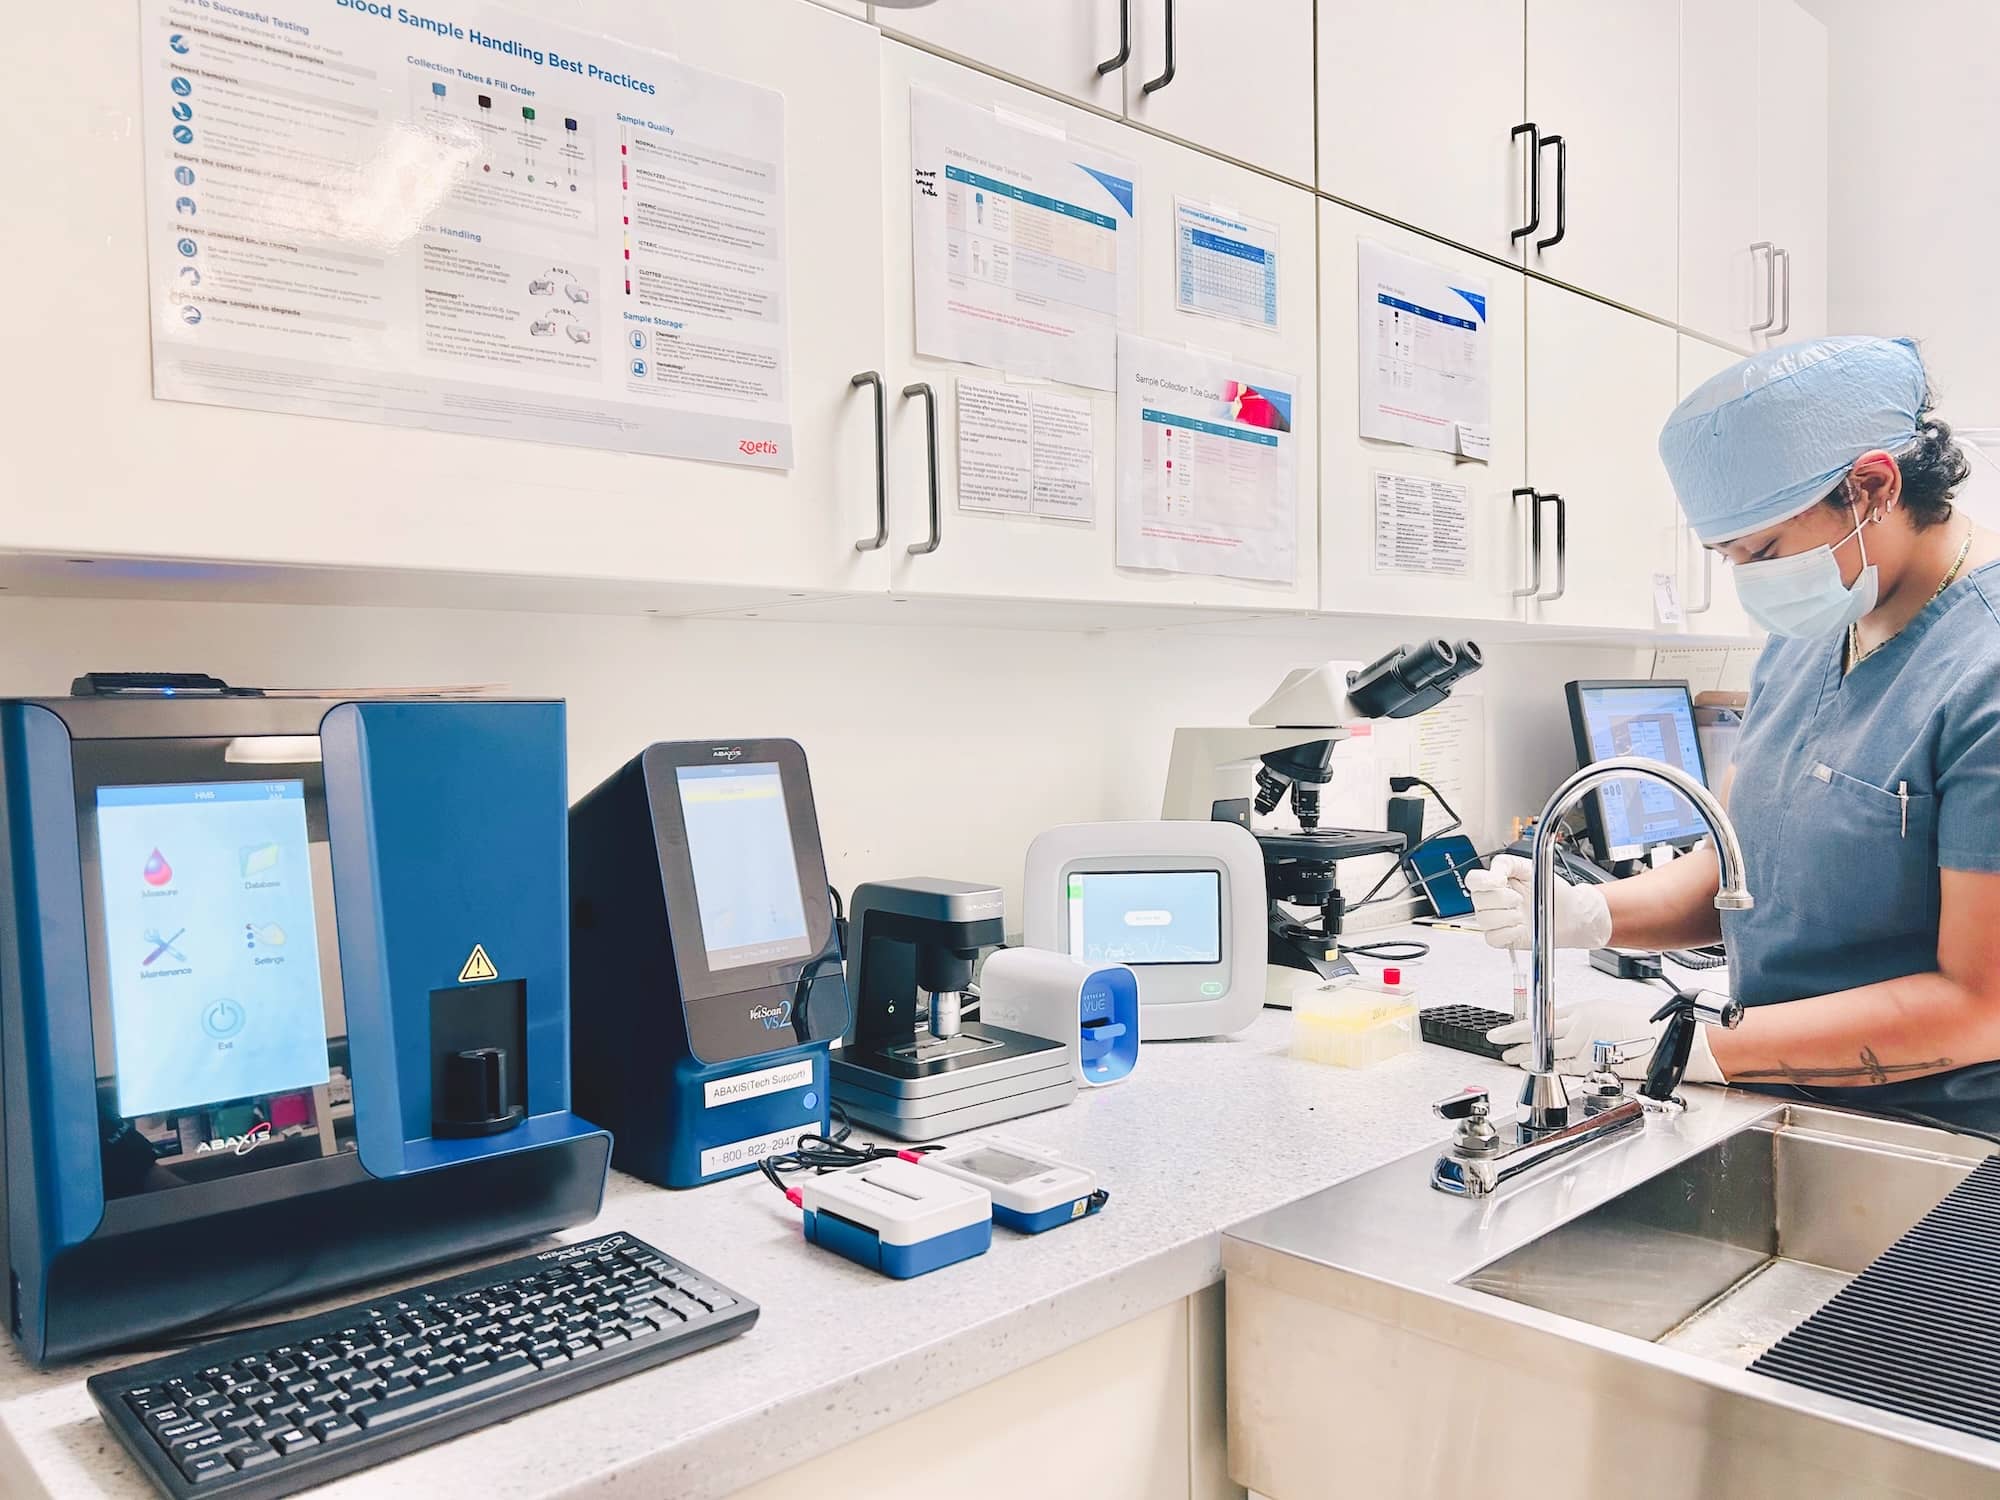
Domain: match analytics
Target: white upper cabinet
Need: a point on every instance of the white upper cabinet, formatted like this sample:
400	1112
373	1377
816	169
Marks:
274	488
1600	385
983	555
1074	47
1728	277
1350	577
1791	93
1418	102
1602	91
1237	79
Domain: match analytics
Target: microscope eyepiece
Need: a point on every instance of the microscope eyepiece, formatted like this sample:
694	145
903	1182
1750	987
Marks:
1412	678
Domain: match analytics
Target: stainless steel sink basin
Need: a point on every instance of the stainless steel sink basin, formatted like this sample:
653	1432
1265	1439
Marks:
1588	1324
1724	1253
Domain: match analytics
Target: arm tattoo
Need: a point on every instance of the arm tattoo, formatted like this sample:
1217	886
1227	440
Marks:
1870	1069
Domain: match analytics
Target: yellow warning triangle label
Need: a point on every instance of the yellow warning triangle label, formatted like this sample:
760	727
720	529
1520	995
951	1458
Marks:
478	967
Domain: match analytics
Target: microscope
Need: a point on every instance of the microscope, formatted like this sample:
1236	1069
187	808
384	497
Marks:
1285	754
910	1065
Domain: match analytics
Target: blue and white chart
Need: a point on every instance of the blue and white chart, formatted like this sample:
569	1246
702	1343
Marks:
468	221
1426	354
1225	265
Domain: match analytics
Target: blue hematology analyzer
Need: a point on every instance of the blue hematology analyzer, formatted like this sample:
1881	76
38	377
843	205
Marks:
708	983
283	1000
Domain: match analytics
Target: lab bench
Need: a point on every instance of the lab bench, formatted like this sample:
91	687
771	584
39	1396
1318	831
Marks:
1204	1135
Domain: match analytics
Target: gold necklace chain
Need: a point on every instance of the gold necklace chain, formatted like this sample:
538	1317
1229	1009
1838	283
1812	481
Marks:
1856	656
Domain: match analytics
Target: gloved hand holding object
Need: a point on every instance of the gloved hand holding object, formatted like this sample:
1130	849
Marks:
1503	907
1628	1018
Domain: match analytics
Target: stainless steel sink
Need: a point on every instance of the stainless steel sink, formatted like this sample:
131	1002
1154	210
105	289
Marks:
1590	1324
1729	1250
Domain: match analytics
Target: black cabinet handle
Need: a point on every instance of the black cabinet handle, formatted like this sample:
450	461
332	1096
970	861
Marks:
1534	180
1167	76
1534	542
1562	189
870	543
1562	545
922	388
1113	64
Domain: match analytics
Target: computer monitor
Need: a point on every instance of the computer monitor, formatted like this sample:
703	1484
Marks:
1655	720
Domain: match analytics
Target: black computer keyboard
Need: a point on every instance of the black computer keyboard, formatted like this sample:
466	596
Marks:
270	1411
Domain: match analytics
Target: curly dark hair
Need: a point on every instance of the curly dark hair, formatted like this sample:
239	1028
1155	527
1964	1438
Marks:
1932	467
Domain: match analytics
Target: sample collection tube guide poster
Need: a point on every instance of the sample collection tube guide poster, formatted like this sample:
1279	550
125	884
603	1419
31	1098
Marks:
467	221
1026	245
1207	465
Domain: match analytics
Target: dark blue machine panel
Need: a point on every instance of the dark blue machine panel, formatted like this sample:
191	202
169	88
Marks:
351	917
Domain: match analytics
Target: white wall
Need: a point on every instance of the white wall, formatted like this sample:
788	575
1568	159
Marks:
934	750
1911	213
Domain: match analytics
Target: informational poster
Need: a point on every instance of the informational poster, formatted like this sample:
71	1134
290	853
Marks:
1225	265
1422	525
1026	248
1024	452
1207	465
464	220
1426	354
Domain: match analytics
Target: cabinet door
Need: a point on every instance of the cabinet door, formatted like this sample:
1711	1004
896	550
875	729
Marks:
1349	576
1237	79
1417	102
1792	170
1057	44
1024	557
1722	278
1707	584
1600	384
1605	79
292	489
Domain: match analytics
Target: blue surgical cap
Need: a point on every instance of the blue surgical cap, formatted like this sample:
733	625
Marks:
1765	439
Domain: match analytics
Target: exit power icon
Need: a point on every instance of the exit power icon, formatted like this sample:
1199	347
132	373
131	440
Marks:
222	1019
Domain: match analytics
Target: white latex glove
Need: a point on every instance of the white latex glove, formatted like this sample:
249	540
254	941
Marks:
1503	904
1625	1019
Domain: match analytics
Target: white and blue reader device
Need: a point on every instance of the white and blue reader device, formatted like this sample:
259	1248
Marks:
897	1217
1031	1187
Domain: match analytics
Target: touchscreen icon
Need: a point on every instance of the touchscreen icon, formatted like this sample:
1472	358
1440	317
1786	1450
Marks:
222	1018
257	859
157	871
162	947
269	935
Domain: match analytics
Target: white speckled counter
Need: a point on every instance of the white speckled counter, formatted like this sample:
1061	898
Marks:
1204	1134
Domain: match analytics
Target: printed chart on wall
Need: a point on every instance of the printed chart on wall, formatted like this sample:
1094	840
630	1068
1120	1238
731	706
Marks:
1207	465
472	222
1225	265
1426	354
1026	249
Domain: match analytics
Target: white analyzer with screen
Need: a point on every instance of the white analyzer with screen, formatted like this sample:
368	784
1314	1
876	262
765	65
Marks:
1181	903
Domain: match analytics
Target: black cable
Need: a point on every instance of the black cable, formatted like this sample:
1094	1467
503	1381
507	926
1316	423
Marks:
1399	785
835	952
1390	950
815	1152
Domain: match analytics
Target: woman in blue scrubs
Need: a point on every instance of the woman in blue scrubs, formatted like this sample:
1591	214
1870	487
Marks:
1866	785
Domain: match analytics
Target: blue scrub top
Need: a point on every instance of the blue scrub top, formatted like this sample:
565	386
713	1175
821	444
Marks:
1843	868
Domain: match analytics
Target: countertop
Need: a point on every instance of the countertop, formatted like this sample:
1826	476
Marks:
1203	1135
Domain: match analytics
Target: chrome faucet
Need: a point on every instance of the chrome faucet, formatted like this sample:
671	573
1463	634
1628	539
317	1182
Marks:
1543	1095
1478	1159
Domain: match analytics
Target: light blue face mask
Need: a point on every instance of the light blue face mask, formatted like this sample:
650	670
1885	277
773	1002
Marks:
1802	595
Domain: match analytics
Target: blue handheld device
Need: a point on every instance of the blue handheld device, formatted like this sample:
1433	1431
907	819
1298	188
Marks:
283	999
708	978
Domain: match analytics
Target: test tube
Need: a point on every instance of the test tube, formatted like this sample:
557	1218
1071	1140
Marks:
1519	960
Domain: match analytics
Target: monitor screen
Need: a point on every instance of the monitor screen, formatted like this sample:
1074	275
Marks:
1146	916
1655	721
210	921
746	875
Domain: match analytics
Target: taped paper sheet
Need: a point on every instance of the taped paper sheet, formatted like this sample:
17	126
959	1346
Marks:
1426	354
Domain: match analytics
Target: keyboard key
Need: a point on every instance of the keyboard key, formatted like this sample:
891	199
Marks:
290	1440
169	1433
335	1429
260	1456
204	1467
148	1398
208	1441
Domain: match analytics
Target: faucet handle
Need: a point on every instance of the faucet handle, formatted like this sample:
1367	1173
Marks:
1706	1006
1467	1104
1605	1054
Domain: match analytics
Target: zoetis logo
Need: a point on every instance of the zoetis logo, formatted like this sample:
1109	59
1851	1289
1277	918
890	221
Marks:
241	1145
756	447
